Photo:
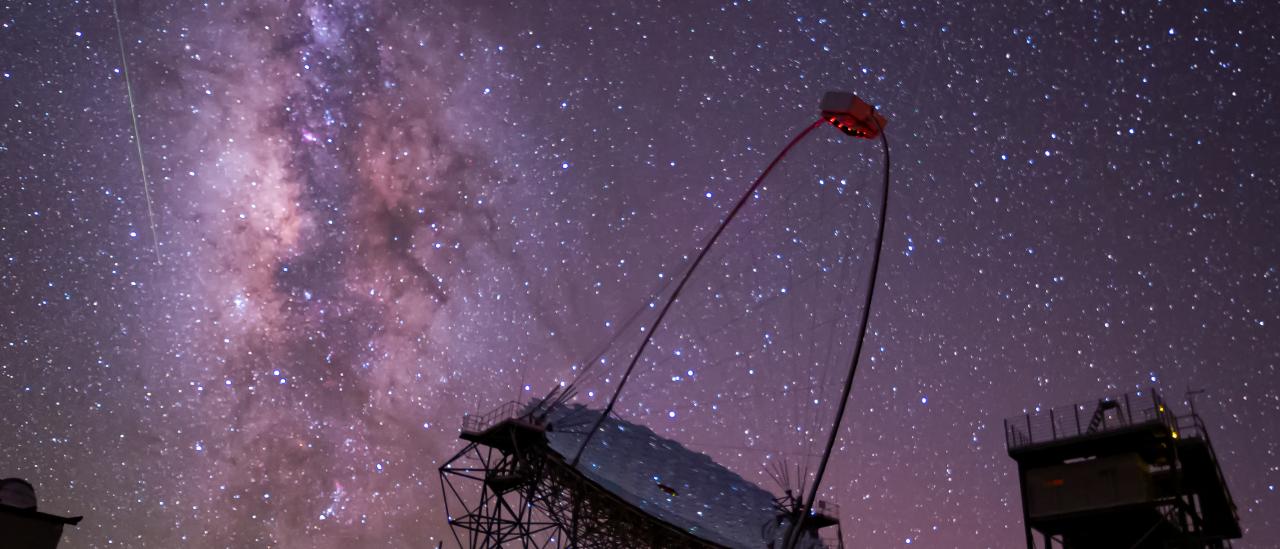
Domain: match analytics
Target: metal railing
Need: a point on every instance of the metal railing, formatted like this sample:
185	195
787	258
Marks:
475	423
1191	426
1087	418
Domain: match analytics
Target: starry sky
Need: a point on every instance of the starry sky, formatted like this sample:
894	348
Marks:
375	216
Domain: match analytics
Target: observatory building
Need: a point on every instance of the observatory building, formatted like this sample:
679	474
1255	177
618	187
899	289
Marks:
513	485
21	525
1121	472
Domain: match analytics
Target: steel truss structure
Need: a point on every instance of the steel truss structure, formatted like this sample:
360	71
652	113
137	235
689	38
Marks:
1121	473
508	488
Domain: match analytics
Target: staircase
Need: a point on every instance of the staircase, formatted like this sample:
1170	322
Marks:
1203	475
1100	414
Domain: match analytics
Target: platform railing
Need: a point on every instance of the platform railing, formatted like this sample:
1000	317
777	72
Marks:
1098	416
475	423
1191	426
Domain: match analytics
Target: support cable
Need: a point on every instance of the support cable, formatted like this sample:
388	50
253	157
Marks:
623	330
660	290
807	505
687	276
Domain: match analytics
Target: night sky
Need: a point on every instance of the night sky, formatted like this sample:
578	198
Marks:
375	216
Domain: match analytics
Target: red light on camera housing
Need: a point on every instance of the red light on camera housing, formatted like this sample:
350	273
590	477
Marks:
852	115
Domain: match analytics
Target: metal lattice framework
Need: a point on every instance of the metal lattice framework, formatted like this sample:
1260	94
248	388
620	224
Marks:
507	488
1179	498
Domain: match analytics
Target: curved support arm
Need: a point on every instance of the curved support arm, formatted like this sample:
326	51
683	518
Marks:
687	275
807	506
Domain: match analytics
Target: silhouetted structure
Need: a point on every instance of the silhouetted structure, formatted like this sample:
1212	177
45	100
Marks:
529	485
512	486
1123	473
21	525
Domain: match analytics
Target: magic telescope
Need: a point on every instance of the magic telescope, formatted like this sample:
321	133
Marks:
521	479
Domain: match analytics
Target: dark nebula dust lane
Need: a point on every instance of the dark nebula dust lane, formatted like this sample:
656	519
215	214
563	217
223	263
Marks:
376	216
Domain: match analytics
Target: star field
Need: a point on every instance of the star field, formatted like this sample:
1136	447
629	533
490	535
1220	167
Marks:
373	217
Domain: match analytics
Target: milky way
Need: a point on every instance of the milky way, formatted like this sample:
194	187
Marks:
376	216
